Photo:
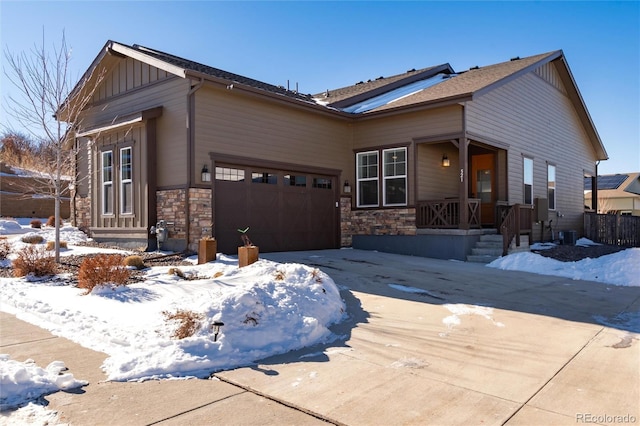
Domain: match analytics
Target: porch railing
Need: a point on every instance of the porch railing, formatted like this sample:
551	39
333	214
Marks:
514	220
445	213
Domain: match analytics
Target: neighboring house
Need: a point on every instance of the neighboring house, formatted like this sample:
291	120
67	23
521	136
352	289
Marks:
617	194
383	164
26	195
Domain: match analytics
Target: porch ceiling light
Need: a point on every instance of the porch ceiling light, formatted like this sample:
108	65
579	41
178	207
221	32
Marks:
206	176
445	161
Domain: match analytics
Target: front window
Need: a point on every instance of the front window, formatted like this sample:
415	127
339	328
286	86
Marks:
528	180
551	186
395	176
367	177
126	185
107	182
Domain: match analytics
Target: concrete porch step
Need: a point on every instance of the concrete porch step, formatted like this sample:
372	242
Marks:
481	258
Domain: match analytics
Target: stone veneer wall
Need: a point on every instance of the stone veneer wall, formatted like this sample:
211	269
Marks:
200	216
81	213
392	221
171	208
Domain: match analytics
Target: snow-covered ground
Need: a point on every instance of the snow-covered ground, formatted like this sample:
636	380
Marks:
267	308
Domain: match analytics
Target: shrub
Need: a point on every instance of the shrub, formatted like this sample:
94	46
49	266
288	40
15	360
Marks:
176	271
52	245
189	322
35	223
32	239
5	248
135	261
32	260
102	269
52	221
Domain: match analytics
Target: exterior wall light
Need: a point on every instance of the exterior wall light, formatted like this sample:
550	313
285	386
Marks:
206	176
346	188
445	161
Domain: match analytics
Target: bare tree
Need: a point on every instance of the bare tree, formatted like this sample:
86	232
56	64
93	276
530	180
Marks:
49	107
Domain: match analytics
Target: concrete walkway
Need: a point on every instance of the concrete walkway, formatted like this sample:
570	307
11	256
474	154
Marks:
475	346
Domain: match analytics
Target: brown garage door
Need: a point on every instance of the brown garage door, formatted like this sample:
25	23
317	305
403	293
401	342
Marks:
285	210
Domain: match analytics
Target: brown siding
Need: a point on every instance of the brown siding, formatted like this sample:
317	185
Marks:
114	141
537	120
171	94
434	181
397	129
229	122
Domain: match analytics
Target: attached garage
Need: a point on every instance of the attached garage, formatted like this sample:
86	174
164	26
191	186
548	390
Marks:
286	207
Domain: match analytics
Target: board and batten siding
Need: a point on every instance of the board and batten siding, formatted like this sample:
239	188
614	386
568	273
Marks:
135	138
142	87
537	120
231	123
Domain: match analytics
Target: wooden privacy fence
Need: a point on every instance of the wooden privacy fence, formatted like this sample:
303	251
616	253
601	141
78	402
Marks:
612	229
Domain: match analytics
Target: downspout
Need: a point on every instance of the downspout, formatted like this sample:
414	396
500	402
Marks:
594	189
463	162
190	154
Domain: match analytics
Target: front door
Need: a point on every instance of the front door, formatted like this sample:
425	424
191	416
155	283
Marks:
483	186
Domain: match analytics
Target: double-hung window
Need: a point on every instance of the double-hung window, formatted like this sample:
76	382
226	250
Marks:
367	176
551	186
126	184
107	182
528	180
393	185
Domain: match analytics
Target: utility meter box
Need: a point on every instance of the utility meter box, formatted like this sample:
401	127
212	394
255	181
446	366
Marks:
541	209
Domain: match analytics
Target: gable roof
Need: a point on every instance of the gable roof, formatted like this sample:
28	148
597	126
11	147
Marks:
451	88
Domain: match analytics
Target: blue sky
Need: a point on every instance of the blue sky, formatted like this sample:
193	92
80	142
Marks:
325	45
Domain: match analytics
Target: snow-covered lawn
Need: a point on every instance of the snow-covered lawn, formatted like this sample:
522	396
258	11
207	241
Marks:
267	308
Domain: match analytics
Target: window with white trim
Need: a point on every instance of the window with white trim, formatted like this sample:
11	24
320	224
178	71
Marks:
527	176
367	178
393	185
107	182
551	186
394	188
126	183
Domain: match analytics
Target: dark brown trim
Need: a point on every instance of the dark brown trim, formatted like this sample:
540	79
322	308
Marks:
171	187
487	141
445	137
152	200
381	147
217	159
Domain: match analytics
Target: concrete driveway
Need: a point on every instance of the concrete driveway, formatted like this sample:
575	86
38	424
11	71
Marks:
427	342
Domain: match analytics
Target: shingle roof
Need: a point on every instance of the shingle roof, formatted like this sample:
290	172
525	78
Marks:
349	95
469	82
216	72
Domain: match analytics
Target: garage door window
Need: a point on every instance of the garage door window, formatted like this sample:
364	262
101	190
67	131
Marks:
295	180
323	183
229	174
264	177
